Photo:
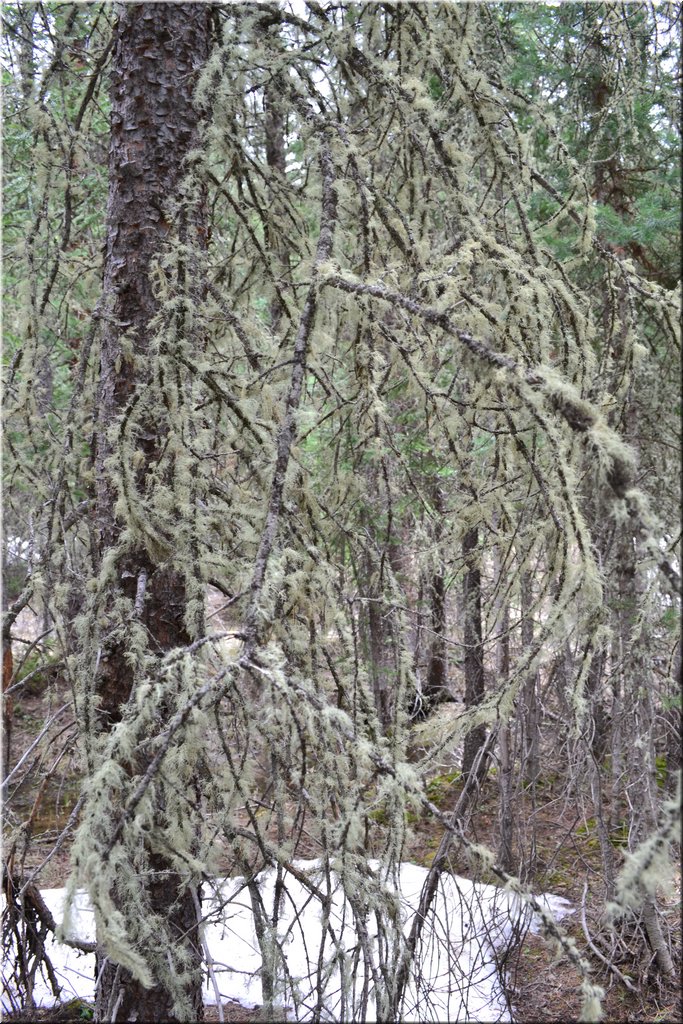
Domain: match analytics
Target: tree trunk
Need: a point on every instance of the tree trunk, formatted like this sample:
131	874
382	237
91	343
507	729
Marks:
530	751
274	124
507	809
434	689
158	49
474	652
26	15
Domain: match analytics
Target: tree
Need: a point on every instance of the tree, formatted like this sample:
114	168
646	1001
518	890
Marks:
349	338
612	134
158	50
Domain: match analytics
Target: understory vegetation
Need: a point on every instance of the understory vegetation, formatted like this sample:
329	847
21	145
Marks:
342	487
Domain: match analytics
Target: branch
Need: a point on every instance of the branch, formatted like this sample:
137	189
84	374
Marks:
594	949
286	433
427	313
431	882
578	415
28	896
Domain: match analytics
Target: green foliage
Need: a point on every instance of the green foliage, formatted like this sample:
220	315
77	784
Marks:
439	788
671	619
661	770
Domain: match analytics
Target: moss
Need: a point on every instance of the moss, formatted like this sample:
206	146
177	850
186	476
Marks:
618	834
440	787
587	833
560	879
661	770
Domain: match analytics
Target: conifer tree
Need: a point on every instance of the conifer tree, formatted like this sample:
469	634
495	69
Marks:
157	53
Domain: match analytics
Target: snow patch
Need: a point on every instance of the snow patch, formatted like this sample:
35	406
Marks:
456	975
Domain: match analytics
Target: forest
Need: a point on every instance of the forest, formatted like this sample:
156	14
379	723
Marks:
341	511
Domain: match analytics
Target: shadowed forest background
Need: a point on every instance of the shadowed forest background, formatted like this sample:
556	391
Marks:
341	510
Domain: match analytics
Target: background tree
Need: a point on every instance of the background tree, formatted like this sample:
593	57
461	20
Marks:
623	131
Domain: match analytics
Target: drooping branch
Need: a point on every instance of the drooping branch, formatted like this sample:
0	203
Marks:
286	432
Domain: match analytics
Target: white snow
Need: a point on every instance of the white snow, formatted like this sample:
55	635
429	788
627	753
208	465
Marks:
457	975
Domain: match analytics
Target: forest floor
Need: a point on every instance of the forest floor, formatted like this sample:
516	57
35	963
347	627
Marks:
541	986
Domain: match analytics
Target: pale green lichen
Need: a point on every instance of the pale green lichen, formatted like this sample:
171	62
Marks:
448	384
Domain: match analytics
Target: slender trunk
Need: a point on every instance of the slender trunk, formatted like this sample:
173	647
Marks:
27	64
532	724
600	732
377	629
638	688
434	690
435	687
531	731
474	651
598	741
157	51
658	943
672	718
274	123
618	755
7	705
506	812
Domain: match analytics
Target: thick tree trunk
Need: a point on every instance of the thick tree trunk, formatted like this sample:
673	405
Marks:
157	51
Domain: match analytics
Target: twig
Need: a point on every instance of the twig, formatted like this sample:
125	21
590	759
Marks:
58	845
208	959
287	430
594	949
35	743
31	895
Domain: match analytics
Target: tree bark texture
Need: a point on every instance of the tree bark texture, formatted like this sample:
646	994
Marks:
275	127
507	808
435	689
474	651
158	50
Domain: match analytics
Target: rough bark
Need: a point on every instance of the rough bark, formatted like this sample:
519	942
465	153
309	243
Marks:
158	49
